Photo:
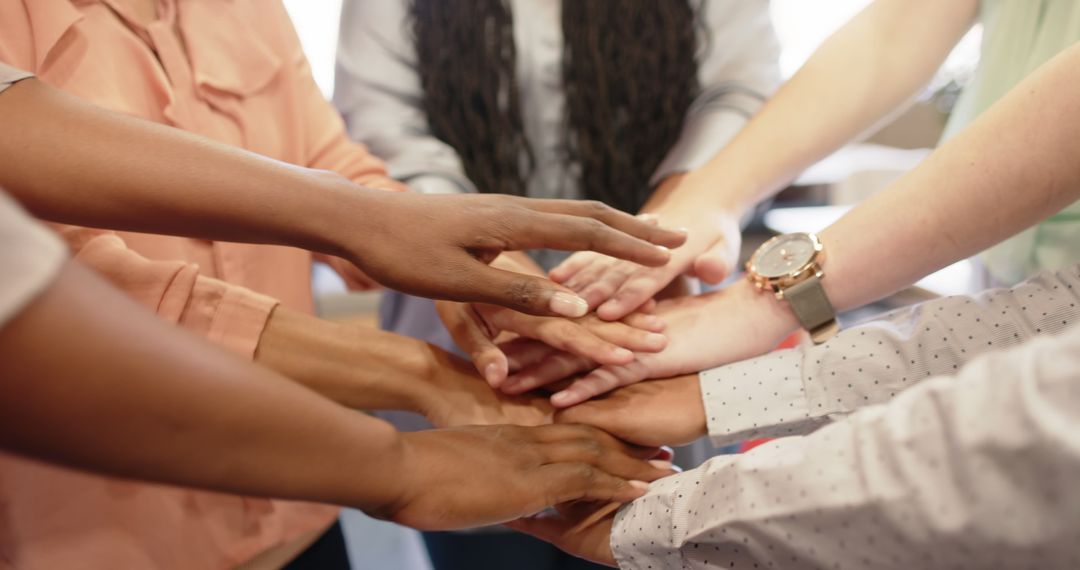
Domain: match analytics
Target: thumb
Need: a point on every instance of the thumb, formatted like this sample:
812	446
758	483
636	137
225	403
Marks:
715	264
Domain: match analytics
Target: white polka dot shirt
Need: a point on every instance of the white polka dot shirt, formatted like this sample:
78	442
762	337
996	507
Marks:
976	467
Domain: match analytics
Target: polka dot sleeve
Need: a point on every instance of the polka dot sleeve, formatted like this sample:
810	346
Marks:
796	391
973	470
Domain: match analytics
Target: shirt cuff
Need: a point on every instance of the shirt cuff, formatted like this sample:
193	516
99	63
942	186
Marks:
644	534
760	397
231	316
702	137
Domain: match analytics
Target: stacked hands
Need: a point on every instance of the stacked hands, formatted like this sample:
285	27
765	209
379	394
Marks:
628	368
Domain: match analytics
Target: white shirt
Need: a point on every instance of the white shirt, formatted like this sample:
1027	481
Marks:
975	463
30	255
378	90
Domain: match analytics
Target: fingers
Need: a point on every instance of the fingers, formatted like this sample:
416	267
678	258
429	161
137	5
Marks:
611	346
645	321
714	265
554	367
607	284
572	265
524	293
574	233
644	228
598	382
638	332
634	292
470	334
524	352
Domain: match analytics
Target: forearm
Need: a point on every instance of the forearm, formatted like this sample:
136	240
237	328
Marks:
797	391
857	78
123	173
1014	166
115	390
358	367
945	469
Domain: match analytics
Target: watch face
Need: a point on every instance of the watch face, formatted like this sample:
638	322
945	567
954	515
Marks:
784	256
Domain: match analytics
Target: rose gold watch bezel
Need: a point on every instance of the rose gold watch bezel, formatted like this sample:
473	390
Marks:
776	285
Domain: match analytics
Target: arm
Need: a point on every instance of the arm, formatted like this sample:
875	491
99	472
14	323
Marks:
193	187
976	190
378	91
794	392
935	479
856	79
738	71
189	414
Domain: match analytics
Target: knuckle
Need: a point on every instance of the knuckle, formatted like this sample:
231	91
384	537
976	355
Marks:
596	207
523	292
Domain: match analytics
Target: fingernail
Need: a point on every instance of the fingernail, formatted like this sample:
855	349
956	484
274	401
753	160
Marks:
648	217
683	230
666	453
491	373
662	465
568	305
639	485
622	354
562	398
652	322
655	339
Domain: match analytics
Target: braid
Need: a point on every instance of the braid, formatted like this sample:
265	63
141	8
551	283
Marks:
470	92
629	73
630	77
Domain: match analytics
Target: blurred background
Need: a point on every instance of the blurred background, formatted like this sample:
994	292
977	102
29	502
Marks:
817	198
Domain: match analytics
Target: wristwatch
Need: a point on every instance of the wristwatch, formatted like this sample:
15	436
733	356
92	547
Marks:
790	266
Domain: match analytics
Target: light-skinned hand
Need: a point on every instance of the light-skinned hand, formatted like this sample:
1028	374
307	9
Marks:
653	413
440	246
615	288
478	330
704	331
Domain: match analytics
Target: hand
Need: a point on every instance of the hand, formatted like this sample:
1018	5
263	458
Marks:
476	327
657	412
476	476
615	288
455	396
439	246
583	530
705	331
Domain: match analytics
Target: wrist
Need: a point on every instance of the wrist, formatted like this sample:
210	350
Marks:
335	210
356	367
771	320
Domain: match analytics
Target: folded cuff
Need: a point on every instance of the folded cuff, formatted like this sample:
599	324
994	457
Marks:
229	315
760	397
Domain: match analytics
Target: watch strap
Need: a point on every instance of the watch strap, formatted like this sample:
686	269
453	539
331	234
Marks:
811	306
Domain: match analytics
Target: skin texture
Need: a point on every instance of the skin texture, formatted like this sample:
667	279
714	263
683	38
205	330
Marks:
703	331
435	246
657	412
173	400
956	203
368	369
857	79
480	330
982	204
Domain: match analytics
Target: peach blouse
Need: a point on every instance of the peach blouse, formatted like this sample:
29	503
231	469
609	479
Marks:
234	71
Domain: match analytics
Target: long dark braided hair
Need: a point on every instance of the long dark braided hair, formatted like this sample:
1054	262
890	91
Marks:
629	74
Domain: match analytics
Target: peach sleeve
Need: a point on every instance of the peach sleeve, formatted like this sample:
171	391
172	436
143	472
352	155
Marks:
327	144
229	315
